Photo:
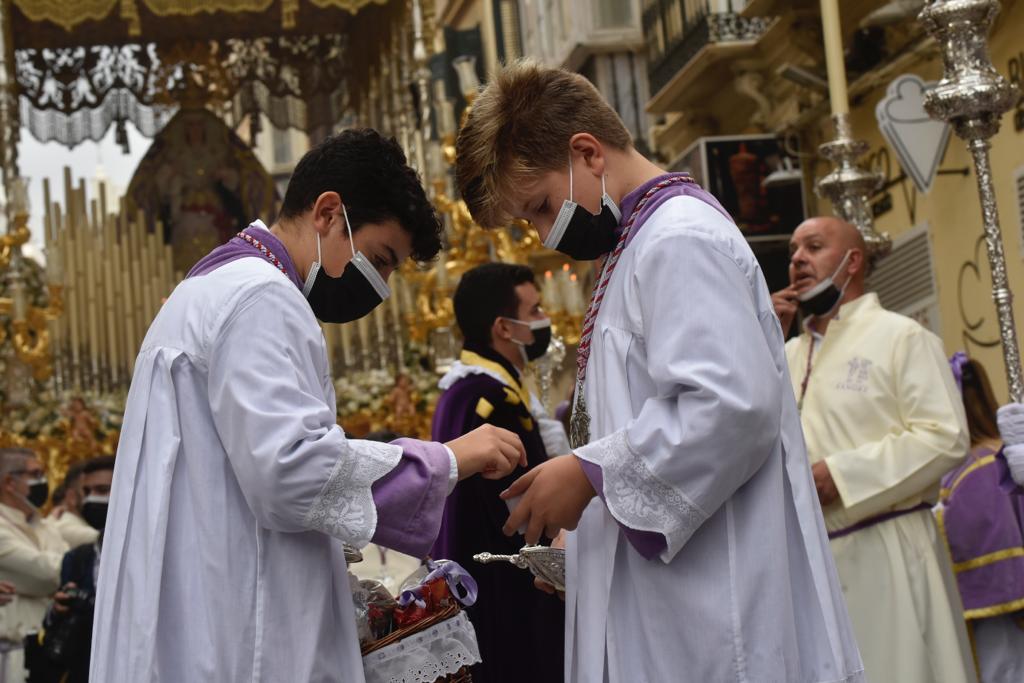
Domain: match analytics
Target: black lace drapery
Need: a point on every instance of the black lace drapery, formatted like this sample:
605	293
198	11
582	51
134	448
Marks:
72	94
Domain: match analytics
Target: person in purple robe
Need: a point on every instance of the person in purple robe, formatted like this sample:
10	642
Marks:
498	309
235	488
981	513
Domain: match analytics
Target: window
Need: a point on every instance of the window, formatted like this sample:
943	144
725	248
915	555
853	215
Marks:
614	13
282	147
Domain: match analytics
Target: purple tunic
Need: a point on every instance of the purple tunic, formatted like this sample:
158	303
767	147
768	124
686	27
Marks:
649	544
984	526
410	498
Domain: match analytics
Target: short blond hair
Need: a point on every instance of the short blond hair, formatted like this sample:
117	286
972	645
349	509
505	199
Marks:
520	126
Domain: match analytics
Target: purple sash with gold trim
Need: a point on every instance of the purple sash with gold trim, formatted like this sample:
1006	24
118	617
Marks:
984	526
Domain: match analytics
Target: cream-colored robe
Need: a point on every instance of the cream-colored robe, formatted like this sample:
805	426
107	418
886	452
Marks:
882	410
31	551
75	530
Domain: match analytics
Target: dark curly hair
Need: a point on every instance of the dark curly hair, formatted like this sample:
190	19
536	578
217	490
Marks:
375	182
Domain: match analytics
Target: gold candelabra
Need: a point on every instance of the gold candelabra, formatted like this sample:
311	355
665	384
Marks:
29	334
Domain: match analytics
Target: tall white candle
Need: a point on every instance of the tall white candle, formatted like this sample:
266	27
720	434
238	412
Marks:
834	60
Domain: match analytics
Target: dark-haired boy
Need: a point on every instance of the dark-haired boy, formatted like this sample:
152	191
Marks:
700	553
498	310
235	487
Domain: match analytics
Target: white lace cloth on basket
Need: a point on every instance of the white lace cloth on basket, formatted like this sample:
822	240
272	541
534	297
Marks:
440	650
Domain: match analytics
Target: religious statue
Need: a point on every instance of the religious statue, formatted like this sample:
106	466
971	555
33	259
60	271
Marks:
201	183
82	423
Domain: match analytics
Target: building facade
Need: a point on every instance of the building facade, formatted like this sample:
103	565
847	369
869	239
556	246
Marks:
750	69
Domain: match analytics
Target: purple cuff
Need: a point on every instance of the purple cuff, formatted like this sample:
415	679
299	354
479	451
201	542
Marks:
650	544
410	498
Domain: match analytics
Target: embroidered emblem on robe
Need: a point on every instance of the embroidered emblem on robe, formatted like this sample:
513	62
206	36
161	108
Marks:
484	408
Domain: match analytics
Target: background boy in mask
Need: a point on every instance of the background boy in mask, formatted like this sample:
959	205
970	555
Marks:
235	488
31	549
700	554
68	627
67	512
498	310
883	422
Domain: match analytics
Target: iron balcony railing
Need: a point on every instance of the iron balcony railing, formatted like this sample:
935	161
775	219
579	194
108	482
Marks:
676	30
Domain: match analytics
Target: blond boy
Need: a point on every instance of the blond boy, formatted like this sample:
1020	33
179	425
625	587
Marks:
698	551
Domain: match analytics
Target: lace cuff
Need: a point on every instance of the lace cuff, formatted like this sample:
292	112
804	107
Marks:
638	498
424	657
344	508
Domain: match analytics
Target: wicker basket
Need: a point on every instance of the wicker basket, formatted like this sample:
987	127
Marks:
461	676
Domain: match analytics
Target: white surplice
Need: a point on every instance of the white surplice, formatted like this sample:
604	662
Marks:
233	491
696	430
882	410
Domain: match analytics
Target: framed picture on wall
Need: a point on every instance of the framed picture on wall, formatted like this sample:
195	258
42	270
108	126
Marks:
755	179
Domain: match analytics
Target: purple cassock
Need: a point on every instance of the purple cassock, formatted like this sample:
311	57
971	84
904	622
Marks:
983	521
409	498
520	629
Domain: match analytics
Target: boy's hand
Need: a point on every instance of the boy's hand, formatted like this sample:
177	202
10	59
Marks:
490	451
559	542
554	495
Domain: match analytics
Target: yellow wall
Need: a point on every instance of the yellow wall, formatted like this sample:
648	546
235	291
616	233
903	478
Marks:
952	211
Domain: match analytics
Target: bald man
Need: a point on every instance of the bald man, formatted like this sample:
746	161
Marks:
883	421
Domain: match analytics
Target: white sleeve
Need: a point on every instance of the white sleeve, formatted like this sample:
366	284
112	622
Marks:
33	572
716	415
295	467
552	432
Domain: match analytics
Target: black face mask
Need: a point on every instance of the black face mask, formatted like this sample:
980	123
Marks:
824	296
38	492
541	338
343	299
581	235
94	511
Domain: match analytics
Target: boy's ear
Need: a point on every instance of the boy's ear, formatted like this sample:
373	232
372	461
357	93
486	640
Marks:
587	146
324	208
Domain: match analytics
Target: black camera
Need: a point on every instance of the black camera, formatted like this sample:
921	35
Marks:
68	630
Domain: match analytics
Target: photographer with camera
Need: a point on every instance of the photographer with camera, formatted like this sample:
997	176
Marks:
68	628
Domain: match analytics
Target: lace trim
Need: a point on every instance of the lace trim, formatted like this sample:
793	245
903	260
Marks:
344	508
424	657
460	370
638	498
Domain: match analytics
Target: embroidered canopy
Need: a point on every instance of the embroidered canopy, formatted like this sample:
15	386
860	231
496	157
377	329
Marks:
84	65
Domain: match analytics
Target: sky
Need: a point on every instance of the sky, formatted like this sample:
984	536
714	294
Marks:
88	160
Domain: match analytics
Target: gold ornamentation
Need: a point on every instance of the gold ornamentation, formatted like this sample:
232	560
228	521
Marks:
990	558
70	13
66	13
